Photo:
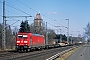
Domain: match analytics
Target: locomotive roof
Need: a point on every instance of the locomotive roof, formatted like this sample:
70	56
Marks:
31	33
37	35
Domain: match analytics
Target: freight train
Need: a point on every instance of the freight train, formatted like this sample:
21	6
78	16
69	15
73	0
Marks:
30	42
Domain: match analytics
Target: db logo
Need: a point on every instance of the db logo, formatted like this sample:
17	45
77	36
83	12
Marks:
22	41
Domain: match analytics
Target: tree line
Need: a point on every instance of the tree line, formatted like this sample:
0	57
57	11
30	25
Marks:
25	27
10	38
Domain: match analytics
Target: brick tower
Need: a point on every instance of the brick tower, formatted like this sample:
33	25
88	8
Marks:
38	24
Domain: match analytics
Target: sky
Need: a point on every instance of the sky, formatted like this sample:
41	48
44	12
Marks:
54	12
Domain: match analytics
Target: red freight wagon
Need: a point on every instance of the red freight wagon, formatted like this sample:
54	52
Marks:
29	41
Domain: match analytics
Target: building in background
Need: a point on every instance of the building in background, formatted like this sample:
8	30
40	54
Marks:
38	24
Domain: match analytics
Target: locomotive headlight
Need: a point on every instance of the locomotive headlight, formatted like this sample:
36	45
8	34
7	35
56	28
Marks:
25	41
25	44
17	44
18	41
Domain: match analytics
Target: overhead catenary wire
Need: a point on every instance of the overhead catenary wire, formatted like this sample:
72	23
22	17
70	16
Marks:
13	23
32	9
26	5
13	12
35	10
13	19
51	24
54	20
15	8
58	22
10	11
29	8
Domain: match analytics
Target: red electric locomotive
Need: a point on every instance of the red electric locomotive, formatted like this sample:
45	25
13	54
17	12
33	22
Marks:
29	41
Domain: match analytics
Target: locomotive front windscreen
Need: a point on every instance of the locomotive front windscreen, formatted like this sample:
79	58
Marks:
22	36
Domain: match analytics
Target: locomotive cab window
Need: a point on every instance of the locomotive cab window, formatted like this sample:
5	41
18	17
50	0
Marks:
25	36
20	36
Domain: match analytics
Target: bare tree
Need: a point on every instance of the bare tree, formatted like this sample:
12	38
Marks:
87	30
32	28
9	37
51	35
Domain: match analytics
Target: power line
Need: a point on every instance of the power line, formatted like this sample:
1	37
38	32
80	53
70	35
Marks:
30	9
10	11
58	22
13	23
26	5
34	10
15	8
51	24
13	18
16	26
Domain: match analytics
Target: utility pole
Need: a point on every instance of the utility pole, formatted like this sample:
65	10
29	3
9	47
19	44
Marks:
20	17
68	32
60	36
46	35
3	31
71	38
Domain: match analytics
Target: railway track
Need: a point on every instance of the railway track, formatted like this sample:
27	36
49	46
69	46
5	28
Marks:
40	55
